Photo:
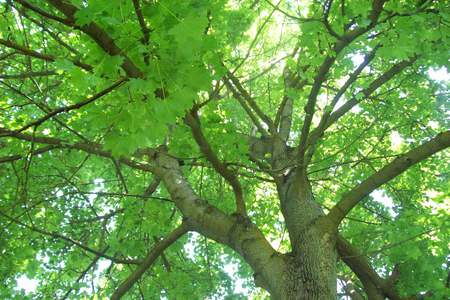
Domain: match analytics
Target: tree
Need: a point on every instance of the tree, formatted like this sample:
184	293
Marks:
298	141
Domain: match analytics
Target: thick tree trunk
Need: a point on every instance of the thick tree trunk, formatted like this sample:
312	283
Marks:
308	272
311	273
311	266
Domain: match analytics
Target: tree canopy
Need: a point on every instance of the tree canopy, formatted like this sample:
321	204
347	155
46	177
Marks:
224	149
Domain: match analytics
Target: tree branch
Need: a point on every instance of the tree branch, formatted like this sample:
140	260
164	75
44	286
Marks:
390	171
283	119
234	231
84	272
346	39
393	71
151	188
70	240
40	11
326	11
28	52
28	75
145	30
317	132
21	156
248	98
88	147
100	36
247	109
73	106
156	251
376	288
193	122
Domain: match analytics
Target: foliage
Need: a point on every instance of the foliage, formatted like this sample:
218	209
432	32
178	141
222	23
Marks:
87	93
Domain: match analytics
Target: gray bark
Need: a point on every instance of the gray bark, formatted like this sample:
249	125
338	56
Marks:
311	266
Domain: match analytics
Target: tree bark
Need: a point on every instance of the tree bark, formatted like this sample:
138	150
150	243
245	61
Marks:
311	266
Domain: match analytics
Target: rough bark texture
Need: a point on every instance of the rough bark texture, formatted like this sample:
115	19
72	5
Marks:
311	266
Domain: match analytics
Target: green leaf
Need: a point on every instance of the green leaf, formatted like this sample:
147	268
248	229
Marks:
84	16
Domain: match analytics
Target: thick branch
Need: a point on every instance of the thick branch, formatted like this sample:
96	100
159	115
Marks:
234	231
390	171
283	119
100	36
193	122
148	261
376	287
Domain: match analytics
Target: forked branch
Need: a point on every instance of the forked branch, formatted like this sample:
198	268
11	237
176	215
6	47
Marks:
322	73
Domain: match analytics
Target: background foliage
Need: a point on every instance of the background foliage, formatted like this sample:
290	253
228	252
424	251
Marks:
54	202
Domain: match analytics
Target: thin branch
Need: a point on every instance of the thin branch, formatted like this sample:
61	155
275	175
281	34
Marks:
193	122
299	19
70	240
28	75
111	194
389	74
51	33
44	107
21	156
29	52
73	106
152	187
255	39
326	11
88	147
40	11
26	51
145	30
84	272
317	132
248	98
247	109
120	175
156	251
104	217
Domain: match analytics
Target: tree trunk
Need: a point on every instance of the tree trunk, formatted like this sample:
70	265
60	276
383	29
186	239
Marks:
311	266
310	274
